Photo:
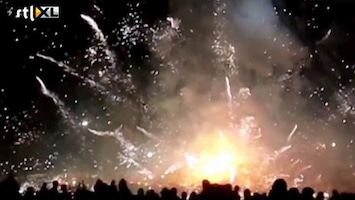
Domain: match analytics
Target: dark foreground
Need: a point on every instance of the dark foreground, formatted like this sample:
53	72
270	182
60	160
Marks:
9	190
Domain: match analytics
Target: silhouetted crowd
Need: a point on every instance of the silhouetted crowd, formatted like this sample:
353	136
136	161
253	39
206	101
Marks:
9	190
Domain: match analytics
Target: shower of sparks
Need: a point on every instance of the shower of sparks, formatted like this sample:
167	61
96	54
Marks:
109	73
172	150
202	163
346	106
224	50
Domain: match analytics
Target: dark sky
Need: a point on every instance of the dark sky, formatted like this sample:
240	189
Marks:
27	114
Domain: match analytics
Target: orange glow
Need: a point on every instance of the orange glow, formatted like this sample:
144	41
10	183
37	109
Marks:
217	158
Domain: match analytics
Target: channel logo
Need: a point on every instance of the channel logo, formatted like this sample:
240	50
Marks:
38	12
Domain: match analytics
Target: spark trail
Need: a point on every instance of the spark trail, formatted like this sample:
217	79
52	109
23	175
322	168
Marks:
230	103
93	84
65	67
325	37
98	33
101	44
129	149
292	133
110	75
229	93
60	104
147	133
282	150
129	153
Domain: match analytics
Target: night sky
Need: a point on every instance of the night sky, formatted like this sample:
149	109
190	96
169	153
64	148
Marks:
37	135
28	114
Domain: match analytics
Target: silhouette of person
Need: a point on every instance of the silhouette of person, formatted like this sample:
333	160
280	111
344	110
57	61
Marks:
278	190
65	195
30	194
236	195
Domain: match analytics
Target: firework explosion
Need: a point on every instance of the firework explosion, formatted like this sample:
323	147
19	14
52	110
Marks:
193	123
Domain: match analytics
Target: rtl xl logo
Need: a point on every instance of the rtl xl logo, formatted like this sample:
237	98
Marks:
38	12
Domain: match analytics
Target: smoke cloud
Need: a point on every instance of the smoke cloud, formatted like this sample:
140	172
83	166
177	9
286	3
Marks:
268	59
